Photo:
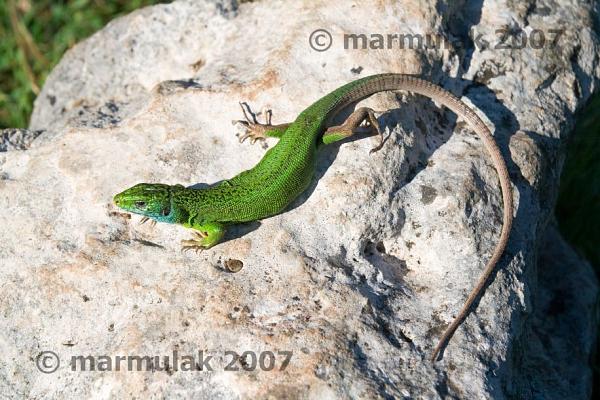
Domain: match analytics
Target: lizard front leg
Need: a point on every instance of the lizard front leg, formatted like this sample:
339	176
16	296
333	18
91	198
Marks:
352	125
207	235
257	131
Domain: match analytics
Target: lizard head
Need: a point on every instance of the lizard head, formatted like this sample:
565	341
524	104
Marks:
152	200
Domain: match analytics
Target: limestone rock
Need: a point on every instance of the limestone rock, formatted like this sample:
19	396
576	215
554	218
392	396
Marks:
361	276
17	139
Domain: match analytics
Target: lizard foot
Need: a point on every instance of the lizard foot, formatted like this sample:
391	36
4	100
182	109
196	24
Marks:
198	244
206	235
254	130
361	120
145	219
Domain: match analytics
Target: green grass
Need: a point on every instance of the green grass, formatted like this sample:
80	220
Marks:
33	37
578	207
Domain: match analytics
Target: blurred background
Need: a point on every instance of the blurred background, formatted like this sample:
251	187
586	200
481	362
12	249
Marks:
35	34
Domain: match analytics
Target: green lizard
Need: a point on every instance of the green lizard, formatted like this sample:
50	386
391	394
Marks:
286	170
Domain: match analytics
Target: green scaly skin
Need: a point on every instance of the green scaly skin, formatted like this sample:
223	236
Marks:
286	170
281	176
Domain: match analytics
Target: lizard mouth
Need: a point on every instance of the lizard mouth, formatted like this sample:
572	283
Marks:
120	201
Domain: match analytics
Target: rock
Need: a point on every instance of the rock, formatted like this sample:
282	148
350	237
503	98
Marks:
563	328
361	276
17	139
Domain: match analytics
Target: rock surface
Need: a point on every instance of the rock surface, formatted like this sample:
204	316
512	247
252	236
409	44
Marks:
17	139
360	278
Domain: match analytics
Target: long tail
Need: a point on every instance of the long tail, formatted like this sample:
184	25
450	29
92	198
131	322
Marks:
367	86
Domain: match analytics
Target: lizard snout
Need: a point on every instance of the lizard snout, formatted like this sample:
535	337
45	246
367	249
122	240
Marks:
117	200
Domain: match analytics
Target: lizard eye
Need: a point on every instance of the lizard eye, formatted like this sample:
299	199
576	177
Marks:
140	204
166	211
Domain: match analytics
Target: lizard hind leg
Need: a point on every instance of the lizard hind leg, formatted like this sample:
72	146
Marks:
353	125
254	130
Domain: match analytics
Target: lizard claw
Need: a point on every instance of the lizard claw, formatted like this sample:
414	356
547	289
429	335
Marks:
252	131
198	243
252	128
146	219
